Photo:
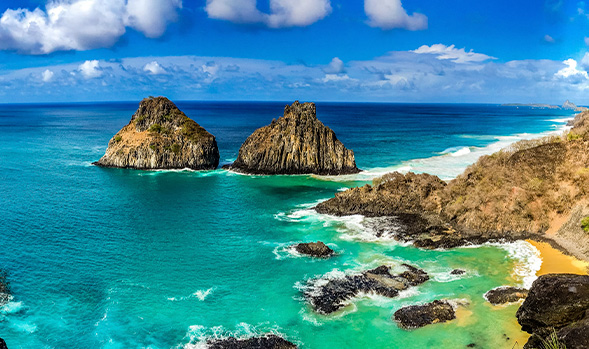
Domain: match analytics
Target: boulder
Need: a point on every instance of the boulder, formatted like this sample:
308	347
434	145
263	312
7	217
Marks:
3	344
416	316
315	249
296	143
5	294
270	341
160	136
328	296
505	294
557	302
457	272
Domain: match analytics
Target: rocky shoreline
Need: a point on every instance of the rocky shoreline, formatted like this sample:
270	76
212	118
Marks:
269	341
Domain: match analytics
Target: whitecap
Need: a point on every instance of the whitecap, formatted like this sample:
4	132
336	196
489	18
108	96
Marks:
201	295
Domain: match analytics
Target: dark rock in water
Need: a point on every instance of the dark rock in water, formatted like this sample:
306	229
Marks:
160	136
296	143
457	272
471	345
315	249
416	316
329	297
266	342
505	294
4	289
557	303
3	344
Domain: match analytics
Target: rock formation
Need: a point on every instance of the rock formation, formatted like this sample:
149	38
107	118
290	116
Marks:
314	249
270	341
557	302
328	297
3	344
296	143
517	193
457	272
416	316
160	136
502	295
569	105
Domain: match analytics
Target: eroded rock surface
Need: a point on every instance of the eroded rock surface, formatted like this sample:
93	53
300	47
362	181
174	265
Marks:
314	249
502	295
4	289
416	316
160	136
329	296
557	302
296	143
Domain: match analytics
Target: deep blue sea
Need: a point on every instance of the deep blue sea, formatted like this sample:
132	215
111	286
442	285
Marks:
112	258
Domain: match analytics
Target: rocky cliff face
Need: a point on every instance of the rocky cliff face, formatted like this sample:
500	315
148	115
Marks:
296	143
160	136
557	303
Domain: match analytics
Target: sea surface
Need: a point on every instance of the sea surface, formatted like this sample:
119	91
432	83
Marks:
113	258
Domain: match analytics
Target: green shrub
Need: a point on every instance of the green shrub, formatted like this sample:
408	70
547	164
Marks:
585	224
552	342
118	138
175	148
573	136
157	128
152	147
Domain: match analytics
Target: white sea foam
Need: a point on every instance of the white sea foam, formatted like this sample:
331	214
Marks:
197	335
201	295
11	307
528	261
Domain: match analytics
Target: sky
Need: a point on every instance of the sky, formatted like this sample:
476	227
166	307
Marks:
453	51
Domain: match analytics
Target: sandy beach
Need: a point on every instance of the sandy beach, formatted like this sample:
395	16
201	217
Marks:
555	261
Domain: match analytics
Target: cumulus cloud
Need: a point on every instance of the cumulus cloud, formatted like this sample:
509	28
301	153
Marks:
82	24
91	69
47	75
549	39
390	14
453	54
336	66
283	13
154	68
571	70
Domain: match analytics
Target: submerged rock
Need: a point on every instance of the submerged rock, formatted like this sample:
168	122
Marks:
266	342
557	303
315	249
416	316
4	289
296	143
457	272
3	344
160	136
505	294
328	297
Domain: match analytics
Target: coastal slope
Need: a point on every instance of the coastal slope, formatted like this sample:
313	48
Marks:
538	187
160	136
296	143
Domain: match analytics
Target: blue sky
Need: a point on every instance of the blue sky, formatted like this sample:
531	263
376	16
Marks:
322	50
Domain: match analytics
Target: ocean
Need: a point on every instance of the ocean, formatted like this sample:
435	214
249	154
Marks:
114	258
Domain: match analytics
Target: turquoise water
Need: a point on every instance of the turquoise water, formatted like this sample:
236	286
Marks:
165	259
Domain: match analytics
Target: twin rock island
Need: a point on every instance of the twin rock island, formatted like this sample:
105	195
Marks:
160	136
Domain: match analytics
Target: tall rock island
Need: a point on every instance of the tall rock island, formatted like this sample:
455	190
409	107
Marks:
296	143
160	136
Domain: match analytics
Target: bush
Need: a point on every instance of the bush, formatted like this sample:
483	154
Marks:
118	138
552	342
157	128
573	136
175	148
585	224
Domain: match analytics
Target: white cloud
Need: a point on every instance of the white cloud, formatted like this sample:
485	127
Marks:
90	69
283	13
154	68
335	77
210	68
390	14
452	53
571	70
47	75
585	61
549	39
336	66
82	24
